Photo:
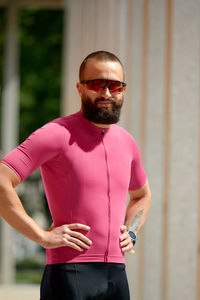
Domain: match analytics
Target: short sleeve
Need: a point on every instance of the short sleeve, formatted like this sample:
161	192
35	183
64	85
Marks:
138	175
41	146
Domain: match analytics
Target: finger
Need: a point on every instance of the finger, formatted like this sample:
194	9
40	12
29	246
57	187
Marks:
78	243
74	246
126	242
78	226
51	227
81	237
123	228
127	248
124	236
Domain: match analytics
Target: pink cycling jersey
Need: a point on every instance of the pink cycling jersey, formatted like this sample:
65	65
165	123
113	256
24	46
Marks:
87	172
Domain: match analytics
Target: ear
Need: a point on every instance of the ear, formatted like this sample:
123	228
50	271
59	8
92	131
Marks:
79	87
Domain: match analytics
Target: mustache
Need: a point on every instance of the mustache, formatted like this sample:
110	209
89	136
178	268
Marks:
111	100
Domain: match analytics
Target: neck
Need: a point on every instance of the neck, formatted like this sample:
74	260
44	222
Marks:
101	125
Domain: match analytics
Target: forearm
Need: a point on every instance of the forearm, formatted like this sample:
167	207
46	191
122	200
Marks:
12	210
136	214
14	214
137	209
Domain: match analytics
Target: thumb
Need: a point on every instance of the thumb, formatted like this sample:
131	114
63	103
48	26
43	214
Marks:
51	227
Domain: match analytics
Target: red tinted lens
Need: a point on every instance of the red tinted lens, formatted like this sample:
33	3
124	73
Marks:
115	86
96	85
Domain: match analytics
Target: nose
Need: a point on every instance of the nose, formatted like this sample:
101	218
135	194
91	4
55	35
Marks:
105	92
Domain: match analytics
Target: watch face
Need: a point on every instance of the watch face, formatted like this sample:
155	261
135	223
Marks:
132	235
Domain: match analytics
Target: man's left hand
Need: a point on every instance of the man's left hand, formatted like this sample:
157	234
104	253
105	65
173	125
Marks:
125	240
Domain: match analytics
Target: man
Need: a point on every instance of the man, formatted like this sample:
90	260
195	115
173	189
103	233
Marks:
88	164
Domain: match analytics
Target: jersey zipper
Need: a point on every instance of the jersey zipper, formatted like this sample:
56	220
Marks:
108	194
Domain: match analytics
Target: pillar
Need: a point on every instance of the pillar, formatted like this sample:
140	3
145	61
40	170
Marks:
10	111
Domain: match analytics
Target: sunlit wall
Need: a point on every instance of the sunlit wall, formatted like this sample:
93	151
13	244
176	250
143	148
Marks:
158	42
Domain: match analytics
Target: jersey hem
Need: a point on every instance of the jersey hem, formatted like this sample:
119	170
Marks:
109	259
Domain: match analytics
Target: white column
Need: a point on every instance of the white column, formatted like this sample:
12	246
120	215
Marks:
73	54
133	97
184	135
64	61
155	149
9	127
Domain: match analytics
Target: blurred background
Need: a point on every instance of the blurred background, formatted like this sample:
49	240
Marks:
42	44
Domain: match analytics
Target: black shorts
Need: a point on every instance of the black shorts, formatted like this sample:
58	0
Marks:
81	281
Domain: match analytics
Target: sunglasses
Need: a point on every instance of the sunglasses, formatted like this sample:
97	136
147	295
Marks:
97	85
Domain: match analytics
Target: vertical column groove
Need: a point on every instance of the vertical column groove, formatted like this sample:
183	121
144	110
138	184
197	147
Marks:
167	145
198	225
143	126
9	130
128	62
144	79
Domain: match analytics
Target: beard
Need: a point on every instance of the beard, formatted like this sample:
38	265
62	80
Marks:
101	115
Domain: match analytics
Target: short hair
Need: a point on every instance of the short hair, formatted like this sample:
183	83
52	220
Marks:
100	56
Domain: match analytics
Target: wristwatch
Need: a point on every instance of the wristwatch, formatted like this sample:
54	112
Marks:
132	236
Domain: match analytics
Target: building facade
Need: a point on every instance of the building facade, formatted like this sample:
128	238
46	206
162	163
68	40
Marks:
158	42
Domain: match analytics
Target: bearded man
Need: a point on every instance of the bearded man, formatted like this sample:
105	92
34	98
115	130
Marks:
88	166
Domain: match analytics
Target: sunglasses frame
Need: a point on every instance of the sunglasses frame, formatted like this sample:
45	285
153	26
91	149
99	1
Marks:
107	81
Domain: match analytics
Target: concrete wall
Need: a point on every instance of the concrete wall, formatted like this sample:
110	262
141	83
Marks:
158	42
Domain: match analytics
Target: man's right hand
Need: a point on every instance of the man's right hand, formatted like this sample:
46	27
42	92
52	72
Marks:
12	210
67	236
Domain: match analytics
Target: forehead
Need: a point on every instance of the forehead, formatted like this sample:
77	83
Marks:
103	69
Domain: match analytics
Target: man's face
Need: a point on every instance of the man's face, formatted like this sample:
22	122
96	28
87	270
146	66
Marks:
102	106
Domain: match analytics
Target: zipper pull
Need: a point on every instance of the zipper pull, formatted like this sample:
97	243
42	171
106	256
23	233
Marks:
102	132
